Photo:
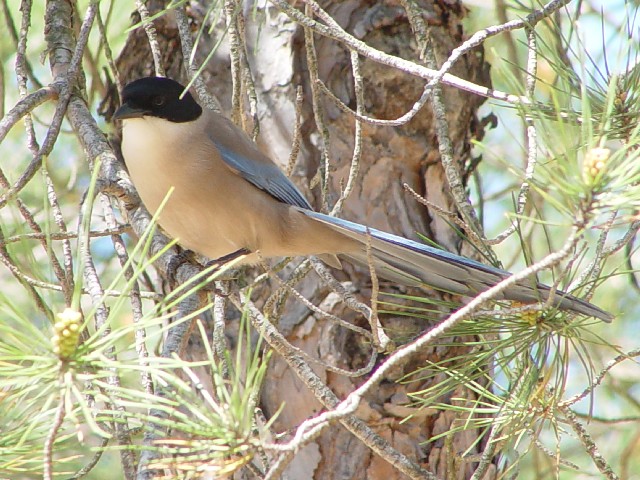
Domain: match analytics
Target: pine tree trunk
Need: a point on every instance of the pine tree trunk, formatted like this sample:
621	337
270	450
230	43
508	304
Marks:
390	158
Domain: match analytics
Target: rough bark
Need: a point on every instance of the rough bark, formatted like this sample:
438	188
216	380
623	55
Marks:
391	157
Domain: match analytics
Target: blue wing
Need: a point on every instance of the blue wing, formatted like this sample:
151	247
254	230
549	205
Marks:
266	176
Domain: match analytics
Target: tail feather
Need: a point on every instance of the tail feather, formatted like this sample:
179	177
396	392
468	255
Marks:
411	263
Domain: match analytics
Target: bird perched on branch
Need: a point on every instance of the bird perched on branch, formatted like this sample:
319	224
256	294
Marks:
228	197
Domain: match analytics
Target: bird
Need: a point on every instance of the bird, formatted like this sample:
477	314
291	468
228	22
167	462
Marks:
223	195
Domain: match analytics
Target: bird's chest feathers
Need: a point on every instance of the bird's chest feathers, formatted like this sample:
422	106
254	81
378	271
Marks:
157	156
163	157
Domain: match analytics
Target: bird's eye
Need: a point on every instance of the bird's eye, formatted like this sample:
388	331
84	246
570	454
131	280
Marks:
158	101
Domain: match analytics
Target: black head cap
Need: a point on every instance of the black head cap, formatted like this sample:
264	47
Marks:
158	97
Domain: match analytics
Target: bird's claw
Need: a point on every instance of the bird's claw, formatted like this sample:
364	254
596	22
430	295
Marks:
176	261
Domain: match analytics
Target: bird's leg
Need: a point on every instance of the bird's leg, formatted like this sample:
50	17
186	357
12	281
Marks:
220	261
188	256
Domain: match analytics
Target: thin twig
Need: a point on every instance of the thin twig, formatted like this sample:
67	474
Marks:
20	41
356	426
247	76
358	85
92	463
64	69
65	278
512	52
449	164
349	299
24	106
218	338
553	455
600	377
187	47
318	114
450	217
592	272
27	282
338	321
64	285
351	402
108	53
134	294
297	135
152	35
361	117
332	30
532	144
101	318
63	235
231	9
326	315
53	432
380	339
589	445
488	453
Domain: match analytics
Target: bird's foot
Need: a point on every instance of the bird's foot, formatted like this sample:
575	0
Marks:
176	261
221	261
218	263
188	256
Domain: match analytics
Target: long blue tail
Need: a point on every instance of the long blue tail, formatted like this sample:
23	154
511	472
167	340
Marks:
411	263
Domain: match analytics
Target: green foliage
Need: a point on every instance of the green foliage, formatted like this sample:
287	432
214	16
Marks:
78	395
53	388
216	431
522	366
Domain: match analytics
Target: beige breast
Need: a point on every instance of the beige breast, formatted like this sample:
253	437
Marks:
210	209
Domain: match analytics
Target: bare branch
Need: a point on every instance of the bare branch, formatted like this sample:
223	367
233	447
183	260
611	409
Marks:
232	9
297	138
187	47
152	35
532	144
449	164
23	66
337	33
600	377
328	398
24	106
53	433
357	141
350	404
589	445
318	114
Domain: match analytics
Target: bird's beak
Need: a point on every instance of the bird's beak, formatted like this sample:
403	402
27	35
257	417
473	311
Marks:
127	111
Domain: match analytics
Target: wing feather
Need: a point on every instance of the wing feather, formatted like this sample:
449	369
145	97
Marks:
242	156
